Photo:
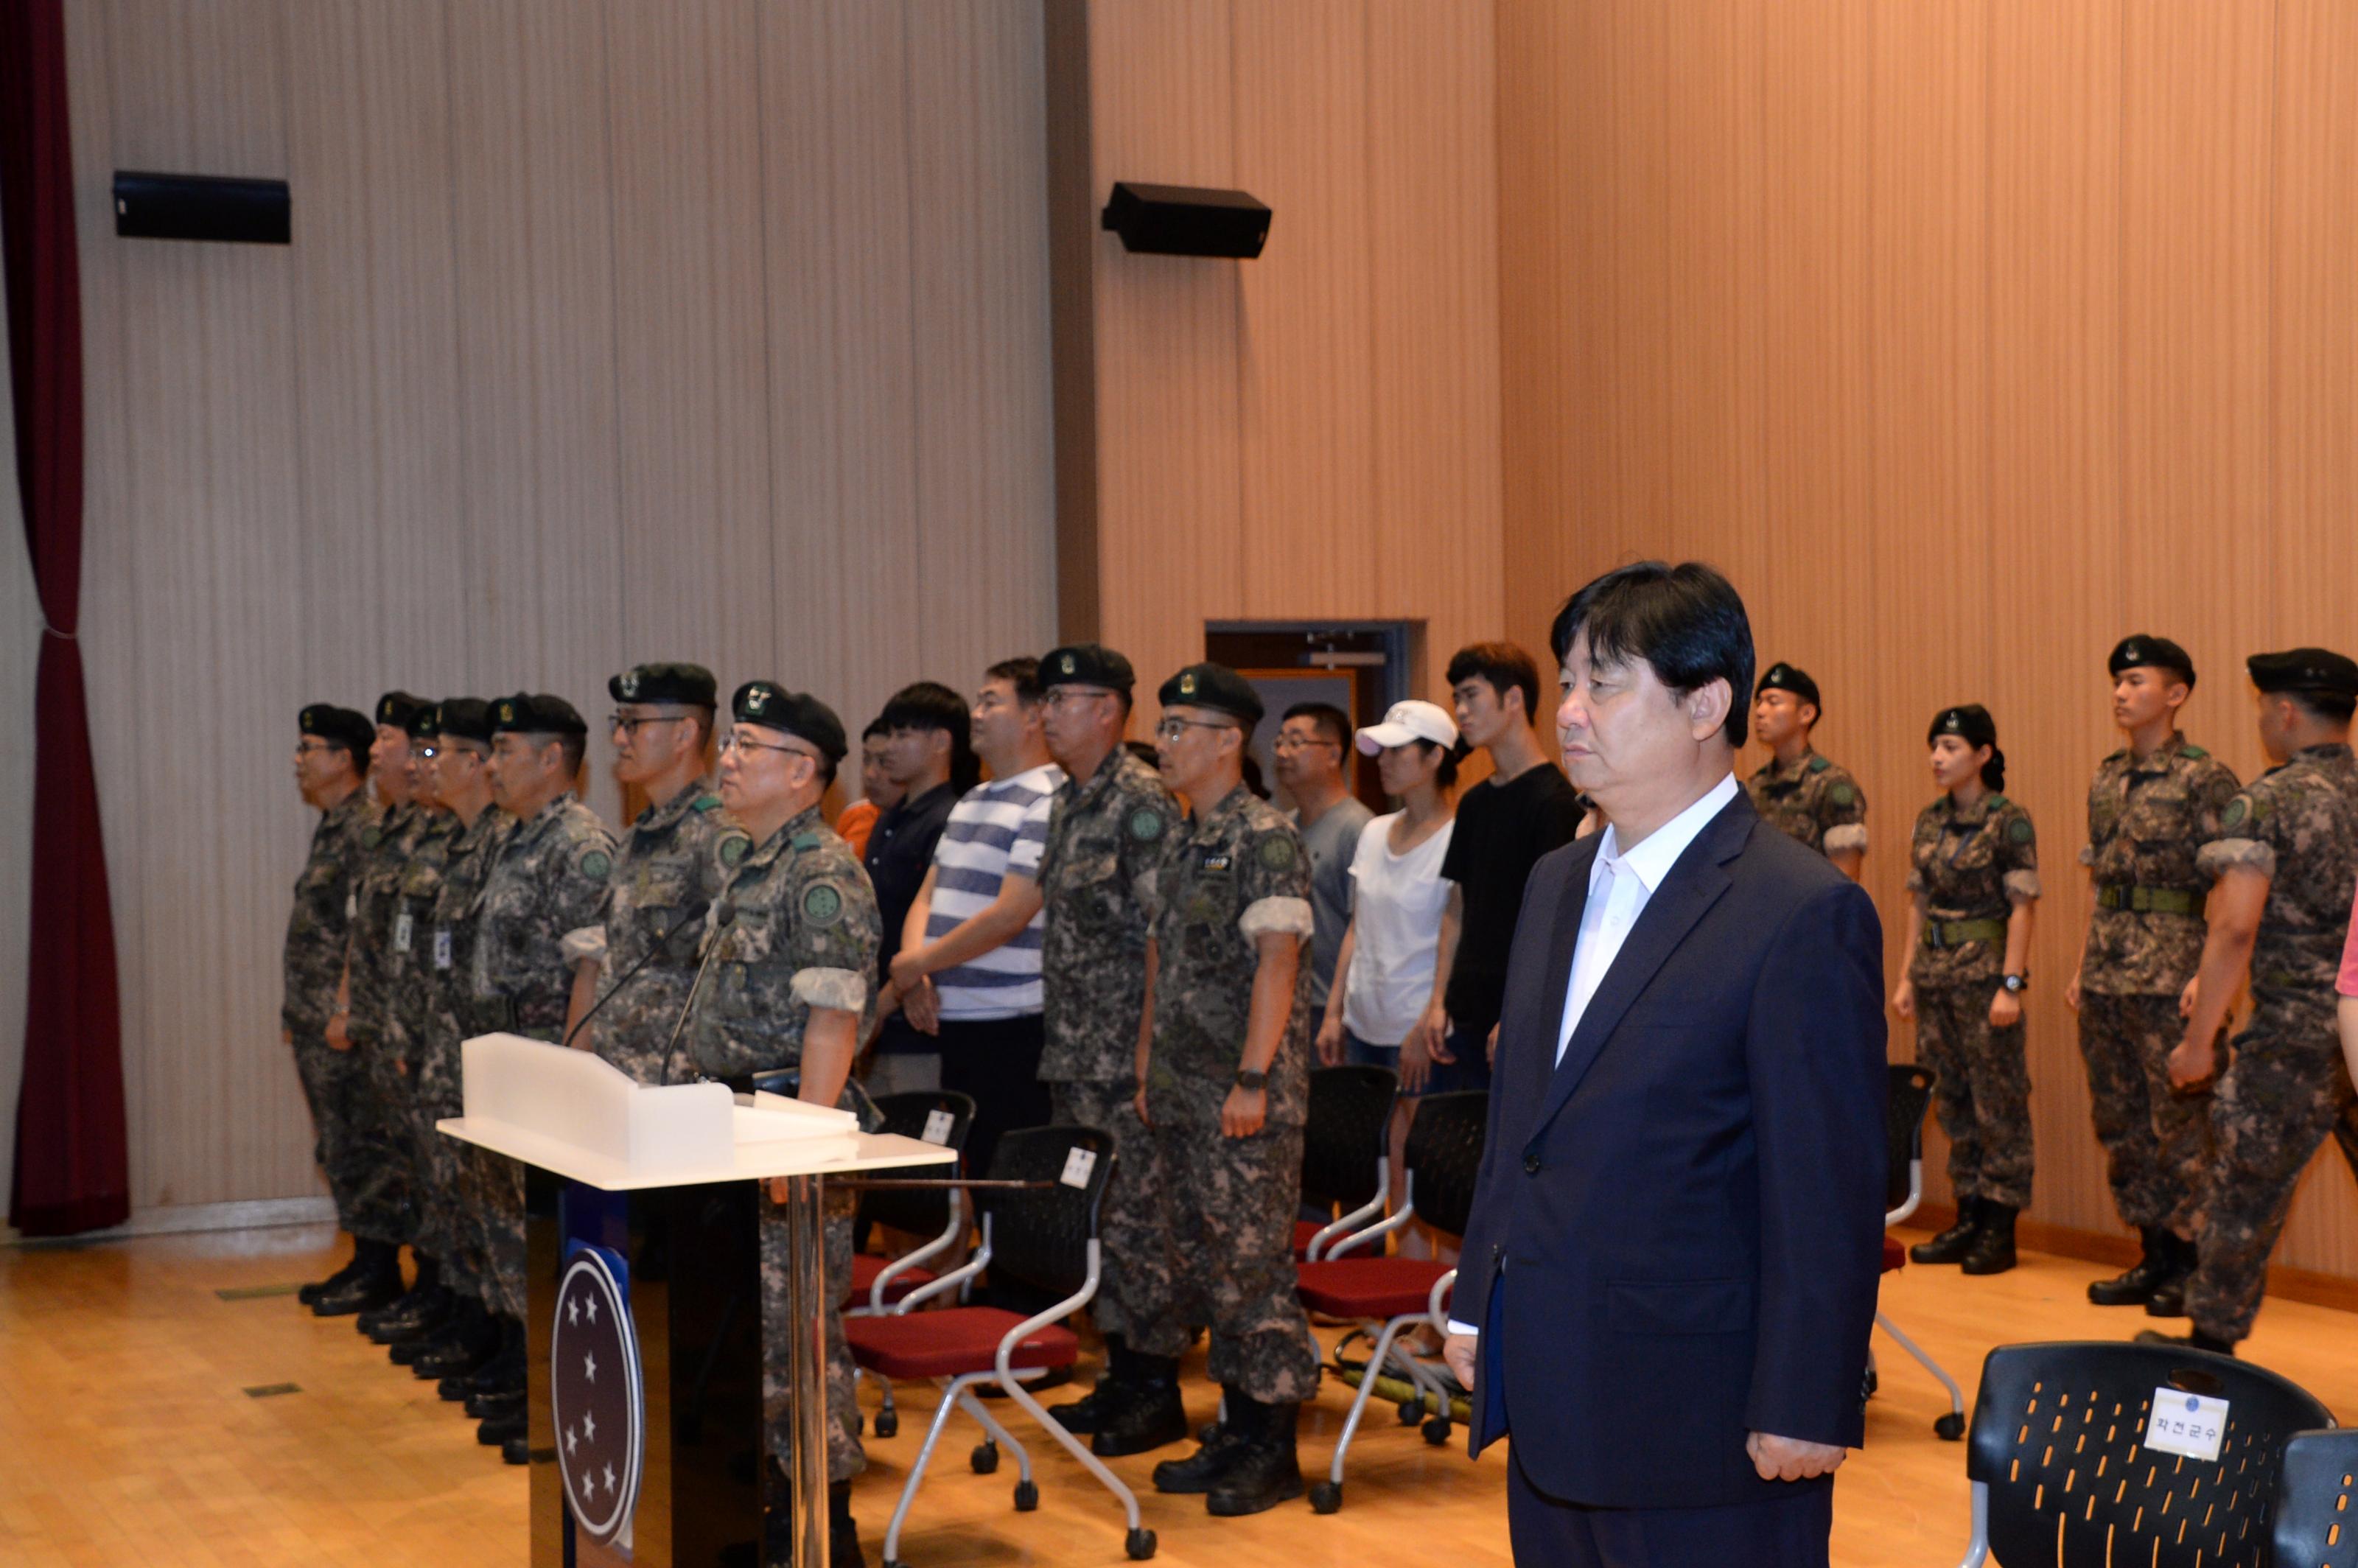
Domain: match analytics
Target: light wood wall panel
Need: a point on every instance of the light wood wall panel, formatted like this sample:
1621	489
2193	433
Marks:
610	331
2033	321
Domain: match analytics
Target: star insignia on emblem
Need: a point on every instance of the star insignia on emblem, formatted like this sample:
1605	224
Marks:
573	1311
572	1439
589	1426
589	1368
593	1309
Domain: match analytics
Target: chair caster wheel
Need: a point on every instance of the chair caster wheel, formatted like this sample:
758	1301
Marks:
1411	1411
1027	1496
888	1423
1950	1427
984	1458
1436	1432
1140	1545
1325	1497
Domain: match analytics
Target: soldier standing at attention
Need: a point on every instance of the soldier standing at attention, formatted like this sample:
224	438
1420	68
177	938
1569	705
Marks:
794	948
2285	864
1797	791
2154	805
1105	835
1971	885
671	859
331	748
1223	1075
549	879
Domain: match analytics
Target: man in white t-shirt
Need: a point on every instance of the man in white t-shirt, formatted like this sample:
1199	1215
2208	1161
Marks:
975	927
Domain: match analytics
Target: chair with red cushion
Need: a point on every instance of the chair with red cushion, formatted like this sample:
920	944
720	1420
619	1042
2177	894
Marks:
1388	1295
881	1284
1905	1102
1042	1235
1346	1161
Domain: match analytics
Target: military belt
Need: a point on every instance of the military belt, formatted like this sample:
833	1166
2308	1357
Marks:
1957	932
2148	901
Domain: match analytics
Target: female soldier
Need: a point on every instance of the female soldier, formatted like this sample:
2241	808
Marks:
1974	878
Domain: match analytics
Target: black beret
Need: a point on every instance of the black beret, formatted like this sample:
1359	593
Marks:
537	713
1785	678
424	721
399	709
346	727
1215	686
1971	723
690	684
468	718
2318	670
798	713
1086	664
2142	651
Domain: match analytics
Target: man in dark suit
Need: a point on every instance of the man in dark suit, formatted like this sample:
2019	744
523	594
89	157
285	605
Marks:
1666	1290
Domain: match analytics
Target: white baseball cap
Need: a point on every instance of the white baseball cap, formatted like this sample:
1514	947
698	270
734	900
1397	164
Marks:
1406	721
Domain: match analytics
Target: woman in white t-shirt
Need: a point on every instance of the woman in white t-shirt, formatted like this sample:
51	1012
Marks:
1383	974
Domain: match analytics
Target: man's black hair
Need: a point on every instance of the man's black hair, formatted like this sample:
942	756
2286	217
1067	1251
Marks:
1506	666
930	705
1021	673
1333	725
2333	707
1687	623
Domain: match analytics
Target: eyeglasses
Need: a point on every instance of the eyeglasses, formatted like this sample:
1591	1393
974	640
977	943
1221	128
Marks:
1058	697
630	726
733	742
1171	728
426	752
306	748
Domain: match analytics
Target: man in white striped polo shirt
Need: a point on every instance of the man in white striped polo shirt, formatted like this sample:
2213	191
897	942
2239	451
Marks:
975	928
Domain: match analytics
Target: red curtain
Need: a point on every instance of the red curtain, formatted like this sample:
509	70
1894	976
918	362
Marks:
73	1164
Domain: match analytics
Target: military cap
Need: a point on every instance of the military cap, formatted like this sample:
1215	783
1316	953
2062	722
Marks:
1215	686
424	721
1086	664
468	718
2317	670
689	683
797	713
1782	676
2141	650
1971	723
537	713
343	726
399	709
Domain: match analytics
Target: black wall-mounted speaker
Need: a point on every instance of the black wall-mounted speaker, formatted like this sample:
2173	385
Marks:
200	207
1187	221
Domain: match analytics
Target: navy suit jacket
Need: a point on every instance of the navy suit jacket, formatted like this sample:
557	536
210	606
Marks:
1678	1231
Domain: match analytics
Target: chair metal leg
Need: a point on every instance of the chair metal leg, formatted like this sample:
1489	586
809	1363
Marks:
1957	1395
1977	1549
918	1466
1375	1360
1075	1446
997	1433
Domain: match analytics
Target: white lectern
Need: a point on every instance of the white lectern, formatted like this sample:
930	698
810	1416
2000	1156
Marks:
642	1213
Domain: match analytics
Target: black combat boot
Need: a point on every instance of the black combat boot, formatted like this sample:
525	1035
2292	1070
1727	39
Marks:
499	1430
1146	1412
1266	1471
311	1292
1952	1245
842	1529
2169	1298
1993	1249
470	1339
2135	1285
376	1280
1080	1416
1202	1470
420	1316
505	1368
2198	1340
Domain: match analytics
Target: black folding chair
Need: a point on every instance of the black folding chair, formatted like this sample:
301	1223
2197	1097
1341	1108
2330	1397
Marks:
1345	1151
2062	1476
1909	1096
2317	1501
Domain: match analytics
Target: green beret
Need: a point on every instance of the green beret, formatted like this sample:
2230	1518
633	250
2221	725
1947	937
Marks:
1215	686
795	713
1086	664
340	726
537	713
691	685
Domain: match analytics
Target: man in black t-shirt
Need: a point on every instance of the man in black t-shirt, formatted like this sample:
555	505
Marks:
1525	809
929	755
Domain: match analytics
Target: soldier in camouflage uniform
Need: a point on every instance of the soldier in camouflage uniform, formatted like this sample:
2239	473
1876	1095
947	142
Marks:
330	760
2285	864
788	991
547	881
672	860
2154	803
1226	1089
1798	792
1106	834
1972	880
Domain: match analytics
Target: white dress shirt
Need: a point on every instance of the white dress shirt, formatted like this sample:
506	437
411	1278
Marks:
1620	883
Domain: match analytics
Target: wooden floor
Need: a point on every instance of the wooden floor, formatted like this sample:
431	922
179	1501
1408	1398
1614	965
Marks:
136	1426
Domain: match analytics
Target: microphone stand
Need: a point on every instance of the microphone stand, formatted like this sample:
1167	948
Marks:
693	911
723	915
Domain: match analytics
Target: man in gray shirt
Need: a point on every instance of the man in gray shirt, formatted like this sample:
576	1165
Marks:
1311	746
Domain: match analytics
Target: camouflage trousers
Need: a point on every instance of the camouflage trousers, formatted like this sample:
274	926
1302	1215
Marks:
2156	1142
492	1202
2286	1090
1231	1203
1984	1095
845	1456
445	1229
384	1142
333	1086
1133	1232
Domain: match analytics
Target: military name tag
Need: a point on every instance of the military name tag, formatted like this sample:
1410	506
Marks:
1216	862
351	905
937	1126
442	947
401	930
2191	1424
1078	1165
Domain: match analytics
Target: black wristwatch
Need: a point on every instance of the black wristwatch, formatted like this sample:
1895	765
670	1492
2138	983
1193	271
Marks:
2017	984
1251	1081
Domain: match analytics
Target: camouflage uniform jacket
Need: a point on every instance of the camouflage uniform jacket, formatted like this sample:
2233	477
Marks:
2148	819
1237	872
1813	801
319	928
389	842
404	970
2296	826
805	935
1106	836
1969	865
549	880
673	856
447	965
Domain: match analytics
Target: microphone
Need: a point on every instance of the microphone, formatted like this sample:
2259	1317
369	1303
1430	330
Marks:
694	912
724	914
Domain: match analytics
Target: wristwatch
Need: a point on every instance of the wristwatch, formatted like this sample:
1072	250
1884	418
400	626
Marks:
1251	1081
2015	983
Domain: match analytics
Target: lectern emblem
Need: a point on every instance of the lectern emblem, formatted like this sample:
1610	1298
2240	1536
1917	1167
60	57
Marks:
597	1402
